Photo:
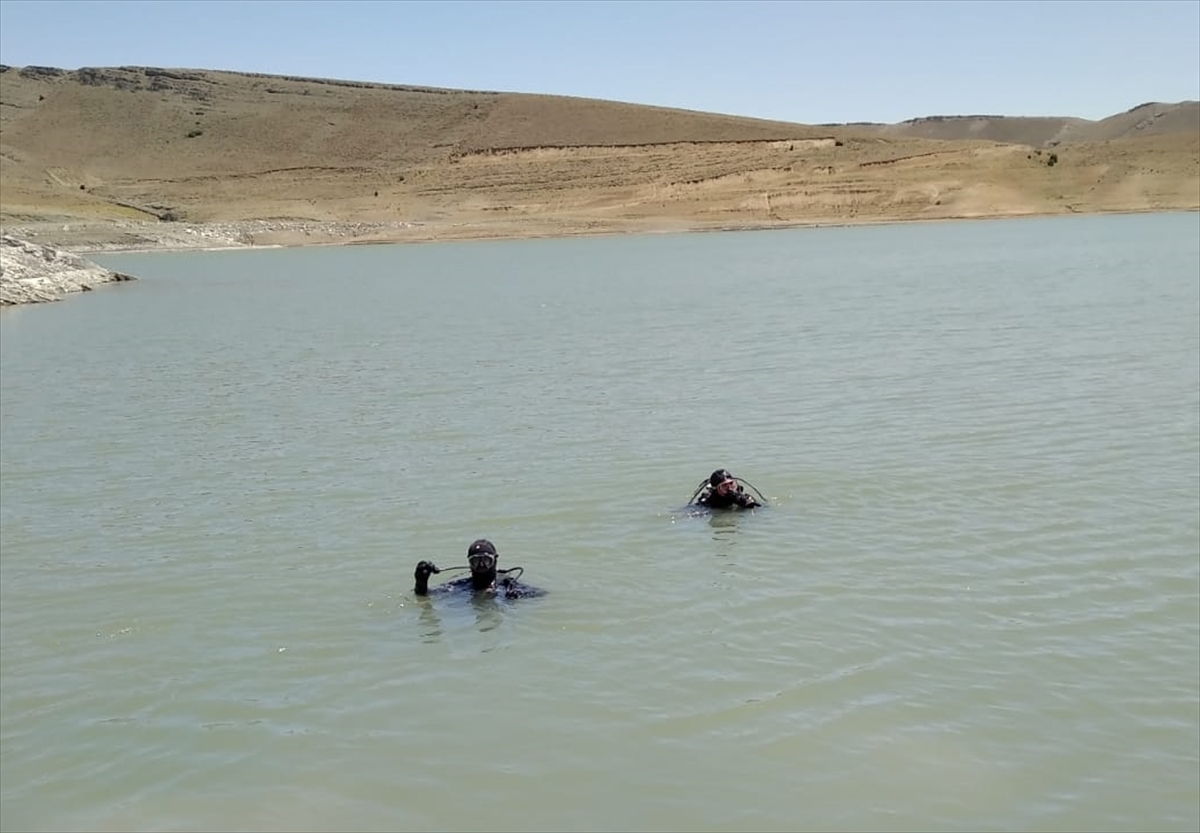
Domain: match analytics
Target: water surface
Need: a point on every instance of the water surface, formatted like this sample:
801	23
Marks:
973	604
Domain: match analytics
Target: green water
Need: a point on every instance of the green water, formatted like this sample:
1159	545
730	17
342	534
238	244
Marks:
973	604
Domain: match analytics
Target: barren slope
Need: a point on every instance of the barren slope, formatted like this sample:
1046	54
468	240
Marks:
111	148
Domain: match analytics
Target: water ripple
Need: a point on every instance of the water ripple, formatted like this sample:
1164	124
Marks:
974	602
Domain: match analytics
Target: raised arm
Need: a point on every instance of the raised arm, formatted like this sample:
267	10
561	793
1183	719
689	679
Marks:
424	570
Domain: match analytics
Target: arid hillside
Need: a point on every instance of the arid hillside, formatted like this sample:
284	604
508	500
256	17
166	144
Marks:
104	154
1144	120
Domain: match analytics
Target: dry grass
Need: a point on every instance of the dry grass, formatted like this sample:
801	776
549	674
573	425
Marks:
99	150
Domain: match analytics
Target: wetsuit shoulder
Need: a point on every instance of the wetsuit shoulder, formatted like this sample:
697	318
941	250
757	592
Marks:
513	589
746	501
457	585
732	500
715	500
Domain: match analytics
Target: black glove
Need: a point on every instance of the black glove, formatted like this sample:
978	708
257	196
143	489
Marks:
425	569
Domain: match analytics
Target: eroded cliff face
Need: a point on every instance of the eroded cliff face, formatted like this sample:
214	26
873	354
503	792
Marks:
32	273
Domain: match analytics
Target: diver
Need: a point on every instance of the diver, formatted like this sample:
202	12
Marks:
724	491
485	578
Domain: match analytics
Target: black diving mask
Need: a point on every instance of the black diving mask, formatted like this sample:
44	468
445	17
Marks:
482	562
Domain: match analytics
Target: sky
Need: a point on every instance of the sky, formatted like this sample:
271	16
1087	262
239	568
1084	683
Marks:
803	61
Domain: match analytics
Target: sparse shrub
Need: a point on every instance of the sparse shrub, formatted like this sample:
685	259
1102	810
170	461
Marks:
194	133
1052	160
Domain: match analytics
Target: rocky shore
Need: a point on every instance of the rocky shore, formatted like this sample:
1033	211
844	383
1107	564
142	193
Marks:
32	273
43	262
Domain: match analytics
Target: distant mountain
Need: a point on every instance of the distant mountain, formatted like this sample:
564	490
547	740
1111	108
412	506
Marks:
1151	119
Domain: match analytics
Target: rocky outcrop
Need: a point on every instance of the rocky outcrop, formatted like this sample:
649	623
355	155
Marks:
31	273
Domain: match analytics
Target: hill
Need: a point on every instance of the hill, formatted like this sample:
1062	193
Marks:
128	154
1152	119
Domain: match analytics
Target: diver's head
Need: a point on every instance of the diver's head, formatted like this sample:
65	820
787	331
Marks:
481	555
722	482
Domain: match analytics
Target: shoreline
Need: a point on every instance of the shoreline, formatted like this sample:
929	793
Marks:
46	260
97	238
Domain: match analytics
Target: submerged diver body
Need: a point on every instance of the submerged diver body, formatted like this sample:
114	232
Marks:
485	578
724	491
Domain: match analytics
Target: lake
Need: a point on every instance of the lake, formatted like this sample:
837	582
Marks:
973	602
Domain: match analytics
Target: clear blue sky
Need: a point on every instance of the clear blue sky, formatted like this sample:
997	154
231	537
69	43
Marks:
808	62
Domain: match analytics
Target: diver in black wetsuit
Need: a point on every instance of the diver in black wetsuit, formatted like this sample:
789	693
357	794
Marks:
485	577
724	491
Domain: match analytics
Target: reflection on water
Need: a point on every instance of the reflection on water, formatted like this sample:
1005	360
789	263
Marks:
431	630
724	527
489	611
723	523
486	609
